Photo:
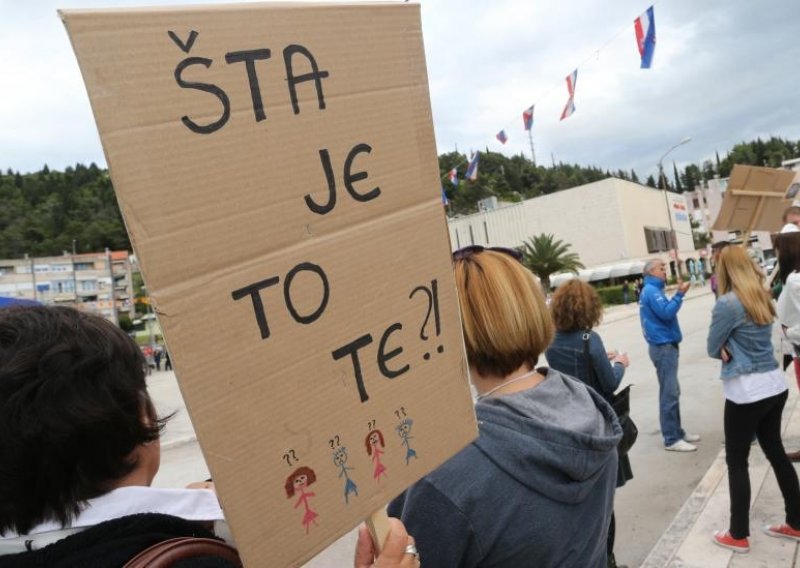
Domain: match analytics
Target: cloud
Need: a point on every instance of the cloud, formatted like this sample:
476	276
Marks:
723	73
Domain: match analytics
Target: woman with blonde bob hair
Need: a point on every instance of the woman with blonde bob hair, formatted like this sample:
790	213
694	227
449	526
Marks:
755	393
545	461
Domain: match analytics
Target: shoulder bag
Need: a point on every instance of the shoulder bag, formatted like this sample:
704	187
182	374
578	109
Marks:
166	553
620	402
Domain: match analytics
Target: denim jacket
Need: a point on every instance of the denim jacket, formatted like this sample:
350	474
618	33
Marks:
566	355
749	344
658	313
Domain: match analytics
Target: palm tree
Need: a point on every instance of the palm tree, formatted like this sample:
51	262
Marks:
545	255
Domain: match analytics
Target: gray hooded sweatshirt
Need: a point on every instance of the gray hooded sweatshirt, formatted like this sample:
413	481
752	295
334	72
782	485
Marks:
536	489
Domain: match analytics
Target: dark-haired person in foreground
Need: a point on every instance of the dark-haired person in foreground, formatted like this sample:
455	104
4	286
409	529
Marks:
79	448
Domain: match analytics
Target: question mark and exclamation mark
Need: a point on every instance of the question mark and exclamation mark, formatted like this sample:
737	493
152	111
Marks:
433	308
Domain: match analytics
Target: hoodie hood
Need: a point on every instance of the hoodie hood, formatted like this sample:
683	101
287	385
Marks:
556	438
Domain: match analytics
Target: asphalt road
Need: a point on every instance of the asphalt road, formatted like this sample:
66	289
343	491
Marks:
662	480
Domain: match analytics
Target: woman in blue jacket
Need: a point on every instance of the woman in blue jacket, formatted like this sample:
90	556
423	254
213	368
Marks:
579	352
755	394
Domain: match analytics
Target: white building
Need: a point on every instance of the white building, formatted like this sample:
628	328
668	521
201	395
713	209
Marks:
100	283
612	224
704	204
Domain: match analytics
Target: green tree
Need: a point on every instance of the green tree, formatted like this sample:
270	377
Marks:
545	255
678	187
701	238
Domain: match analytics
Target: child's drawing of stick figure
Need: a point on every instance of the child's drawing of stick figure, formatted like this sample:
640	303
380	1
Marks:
404	431
299	482
340	461
374	443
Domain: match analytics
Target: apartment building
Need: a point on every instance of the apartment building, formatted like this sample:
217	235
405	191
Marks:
99	282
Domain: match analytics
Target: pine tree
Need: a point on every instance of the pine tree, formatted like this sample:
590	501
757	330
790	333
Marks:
678	187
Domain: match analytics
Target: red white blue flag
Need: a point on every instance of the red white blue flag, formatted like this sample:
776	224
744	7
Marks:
472	168
645	28
527	118
569	108
452	175
502	136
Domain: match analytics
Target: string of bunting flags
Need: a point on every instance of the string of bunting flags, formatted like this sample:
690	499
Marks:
645	34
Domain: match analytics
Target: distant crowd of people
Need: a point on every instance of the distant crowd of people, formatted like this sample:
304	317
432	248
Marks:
79	434
154	354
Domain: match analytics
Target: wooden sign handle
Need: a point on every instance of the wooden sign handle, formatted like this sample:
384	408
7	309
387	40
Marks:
378	525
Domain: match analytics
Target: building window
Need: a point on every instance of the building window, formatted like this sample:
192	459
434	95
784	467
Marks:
84	266
88	285
471	236
658	240
696	203
486	232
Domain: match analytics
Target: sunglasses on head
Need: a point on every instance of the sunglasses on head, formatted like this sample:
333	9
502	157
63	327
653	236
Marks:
466	252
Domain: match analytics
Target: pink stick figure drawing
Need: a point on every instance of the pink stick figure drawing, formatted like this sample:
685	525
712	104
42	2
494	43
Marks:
374	443
298	482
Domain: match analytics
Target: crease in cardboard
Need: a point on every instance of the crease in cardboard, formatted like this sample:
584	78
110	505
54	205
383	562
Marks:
241	267
246	112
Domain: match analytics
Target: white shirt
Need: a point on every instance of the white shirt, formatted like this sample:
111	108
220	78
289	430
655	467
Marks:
189	504
753	387
789	307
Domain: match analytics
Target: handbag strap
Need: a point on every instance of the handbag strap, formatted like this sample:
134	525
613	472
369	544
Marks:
166	553
591	379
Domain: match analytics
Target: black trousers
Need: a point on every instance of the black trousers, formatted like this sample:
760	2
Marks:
763	419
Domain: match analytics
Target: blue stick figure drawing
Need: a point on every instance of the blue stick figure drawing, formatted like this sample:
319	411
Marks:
340	461
404	431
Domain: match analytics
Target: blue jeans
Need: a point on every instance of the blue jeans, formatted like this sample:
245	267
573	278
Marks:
665	359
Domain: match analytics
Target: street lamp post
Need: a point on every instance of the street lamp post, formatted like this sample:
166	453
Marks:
663	181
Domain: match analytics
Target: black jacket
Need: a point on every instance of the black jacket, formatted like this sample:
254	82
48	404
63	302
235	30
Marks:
113	543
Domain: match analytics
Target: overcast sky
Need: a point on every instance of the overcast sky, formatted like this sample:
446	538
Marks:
724	71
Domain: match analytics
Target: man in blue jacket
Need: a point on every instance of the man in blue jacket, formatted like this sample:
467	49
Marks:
659	316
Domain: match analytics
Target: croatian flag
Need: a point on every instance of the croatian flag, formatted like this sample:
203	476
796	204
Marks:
502	136
472	168
527	118
453	177
569	108
645	27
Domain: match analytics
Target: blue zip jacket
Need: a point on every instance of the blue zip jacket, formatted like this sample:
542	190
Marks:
659	314
748	343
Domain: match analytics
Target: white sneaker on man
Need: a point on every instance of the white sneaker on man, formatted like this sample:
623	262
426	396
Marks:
681	446
691	438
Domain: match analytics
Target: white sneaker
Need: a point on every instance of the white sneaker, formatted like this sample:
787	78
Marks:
691	438
681	446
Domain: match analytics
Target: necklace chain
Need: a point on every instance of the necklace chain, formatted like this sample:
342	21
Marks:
506	383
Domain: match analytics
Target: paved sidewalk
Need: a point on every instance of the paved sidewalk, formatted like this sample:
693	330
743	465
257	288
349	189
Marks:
687	542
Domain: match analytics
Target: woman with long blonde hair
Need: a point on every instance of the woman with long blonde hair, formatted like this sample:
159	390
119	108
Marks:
755	393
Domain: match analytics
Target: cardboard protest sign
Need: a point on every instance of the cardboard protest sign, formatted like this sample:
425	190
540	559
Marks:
754	199
276	169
